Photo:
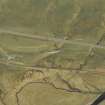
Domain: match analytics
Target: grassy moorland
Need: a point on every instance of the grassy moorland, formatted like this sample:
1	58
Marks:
51	51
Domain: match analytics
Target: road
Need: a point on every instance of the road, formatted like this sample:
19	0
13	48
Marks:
44	38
